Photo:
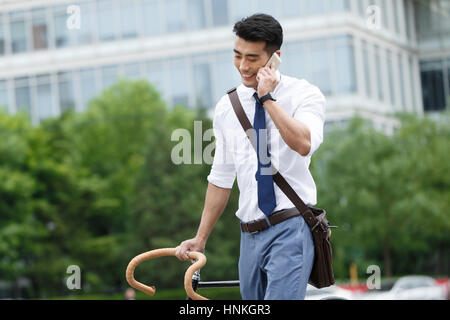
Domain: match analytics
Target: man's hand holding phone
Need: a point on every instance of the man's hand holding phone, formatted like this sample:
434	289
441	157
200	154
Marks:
267	77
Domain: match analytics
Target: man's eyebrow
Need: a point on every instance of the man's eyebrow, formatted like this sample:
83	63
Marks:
248	54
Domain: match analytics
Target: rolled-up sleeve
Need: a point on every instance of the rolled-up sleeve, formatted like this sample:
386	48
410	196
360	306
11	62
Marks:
223	172
310	110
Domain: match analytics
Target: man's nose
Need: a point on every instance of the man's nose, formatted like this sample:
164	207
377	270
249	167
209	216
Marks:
244	66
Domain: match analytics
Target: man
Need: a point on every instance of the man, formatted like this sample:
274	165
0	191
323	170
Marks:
275	262
130	294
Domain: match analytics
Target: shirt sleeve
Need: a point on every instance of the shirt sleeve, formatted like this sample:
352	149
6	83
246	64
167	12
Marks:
310	110
223	172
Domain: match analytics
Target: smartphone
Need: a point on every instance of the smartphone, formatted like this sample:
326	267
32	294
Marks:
274	58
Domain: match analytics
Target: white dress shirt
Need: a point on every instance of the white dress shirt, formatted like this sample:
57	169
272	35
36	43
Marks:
235	156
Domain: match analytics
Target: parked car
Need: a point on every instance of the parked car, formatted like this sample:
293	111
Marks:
408	288
328	293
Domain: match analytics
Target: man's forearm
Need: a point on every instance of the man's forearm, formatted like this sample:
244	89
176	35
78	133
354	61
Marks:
294	133
215	202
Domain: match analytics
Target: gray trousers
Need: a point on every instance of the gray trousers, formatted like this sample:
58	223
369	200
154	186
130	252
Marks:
275	264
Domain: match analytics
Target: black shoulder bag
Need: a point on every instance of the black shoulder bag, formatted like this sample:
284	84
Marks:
322	271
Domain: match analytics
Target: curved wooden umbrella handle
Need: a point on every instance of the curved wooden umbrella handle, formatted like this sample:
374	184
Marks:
201	261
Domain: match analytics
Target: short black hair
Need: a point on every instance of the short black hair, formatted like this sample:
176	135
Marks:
261	27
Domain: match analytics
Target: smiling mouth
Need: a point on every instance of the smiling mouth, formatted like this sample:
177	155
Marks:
247	76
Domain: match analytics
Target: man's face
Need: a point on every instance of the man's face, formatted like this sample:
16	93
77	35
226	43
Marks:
249	57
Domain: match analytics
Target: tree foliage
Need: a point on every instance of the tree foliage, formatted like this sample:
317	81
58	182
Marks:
96	188
388	193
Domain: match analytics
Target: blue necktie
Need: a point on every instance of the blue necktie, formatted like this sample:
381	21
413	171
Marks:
266	192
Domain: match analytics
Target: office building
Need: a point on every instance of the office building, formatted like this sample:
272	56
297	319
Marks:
373	57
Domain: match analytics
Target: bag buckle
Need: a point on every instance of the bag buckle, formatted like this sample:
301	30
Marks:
315	226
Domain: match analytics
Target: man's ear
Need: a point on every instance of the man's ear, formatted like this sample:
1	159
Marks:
278	52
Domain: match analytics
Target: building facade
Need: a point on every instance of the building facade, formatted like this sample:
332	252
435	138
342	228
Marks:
372	57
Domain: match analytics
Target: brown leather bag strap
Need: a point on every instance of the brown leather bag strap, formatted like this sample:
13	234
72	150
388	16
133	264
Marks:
240	113
305	211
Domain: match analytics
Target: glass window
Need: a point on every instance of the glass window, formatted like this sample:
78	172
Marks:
3	95
240	9
432	19
39	29
445	13
175	22
219	12
368	76
412	82
202	81
390	76
266	6
344	64
179	81
22	94
339	5
44	97
384	13
225	76
66	91
62	34
106	25
155	75
313	7
18	32
196	14
85	35
401	78
109	75
290	8
320	68
295	60
361	9
132	70
423	18
433	85
395	14
408	21
88	86
2	36
378	72
448	84
128	18
151	17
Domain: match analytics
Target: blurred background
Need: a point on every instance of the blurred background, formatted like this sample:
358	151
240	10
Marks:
90	92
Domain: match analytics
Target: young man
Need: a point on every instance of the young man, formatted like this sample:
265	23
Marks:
277	250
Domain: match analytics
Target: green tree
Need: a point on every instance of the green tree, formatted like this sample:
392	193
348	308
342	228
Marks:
110	140
67	188
169	203
16	190
388	193
34	189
